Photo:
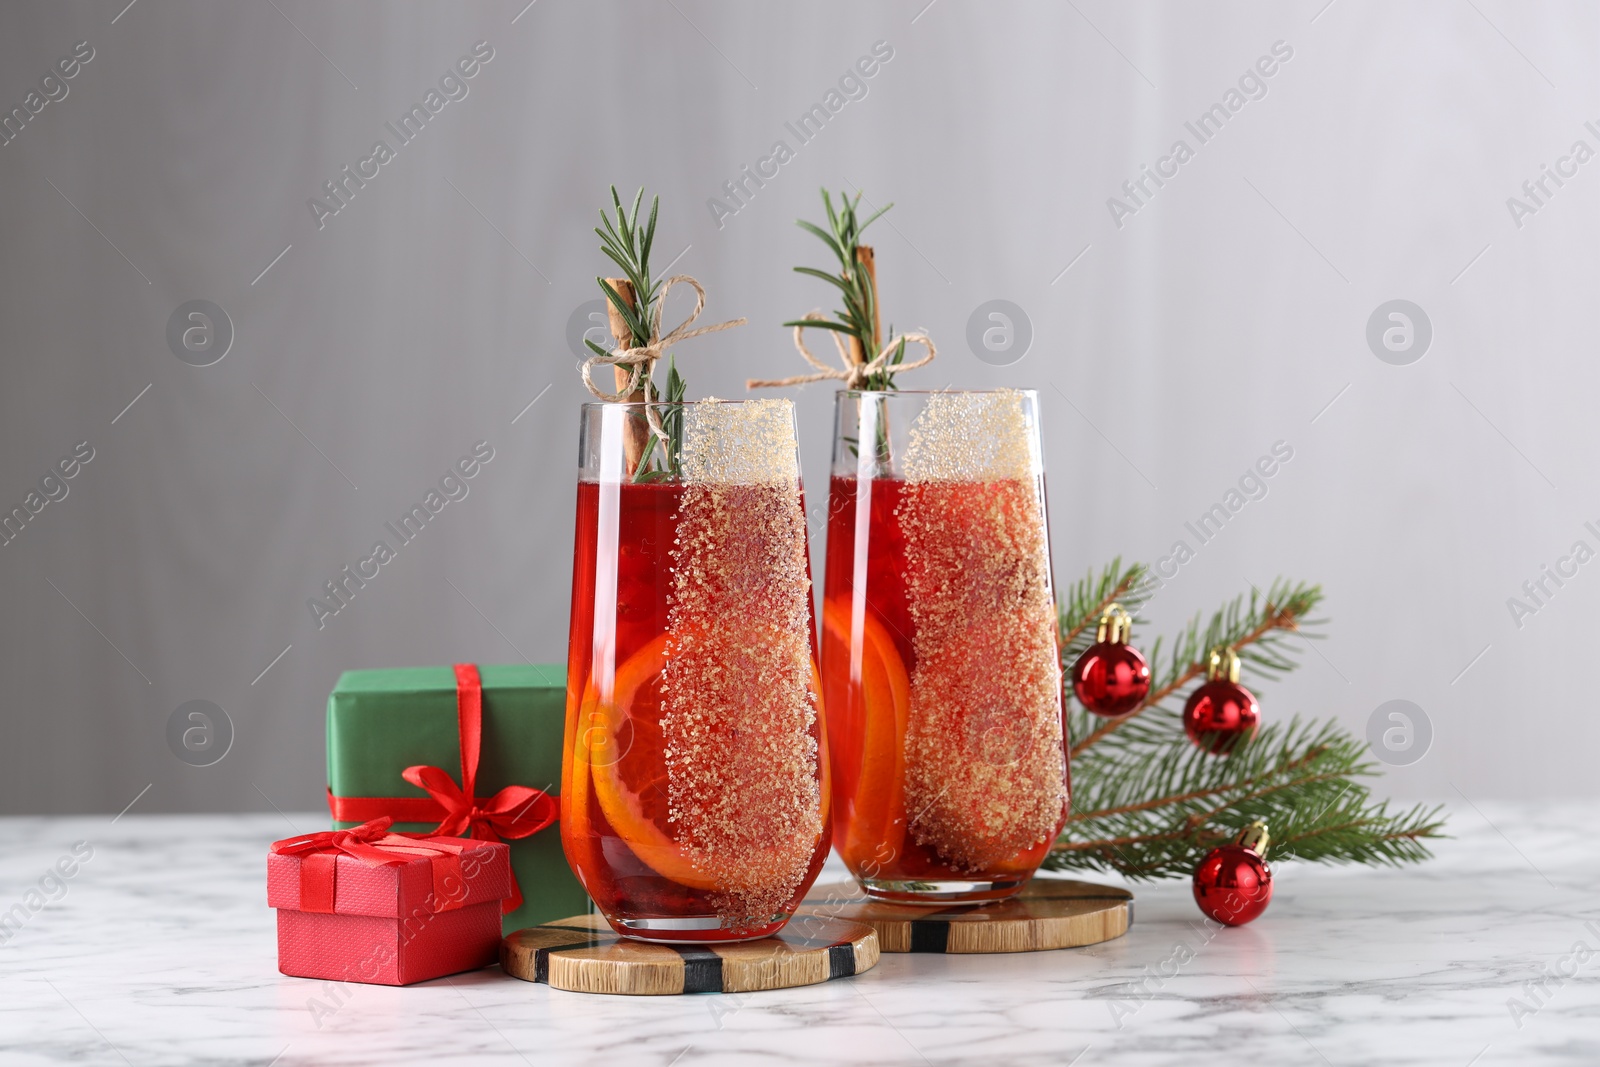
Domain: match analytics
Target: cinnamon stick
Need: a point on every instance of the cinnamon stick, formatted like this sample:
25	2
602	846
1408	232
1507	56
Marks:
866	262
637	431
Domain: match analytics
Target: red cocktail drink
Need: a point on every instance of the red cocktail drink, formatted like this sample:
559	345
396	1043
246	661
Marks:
939	656
693	800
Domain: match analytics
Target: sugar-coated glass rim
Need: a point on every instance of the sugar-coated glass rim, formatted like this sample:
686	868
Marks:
598	405
935	392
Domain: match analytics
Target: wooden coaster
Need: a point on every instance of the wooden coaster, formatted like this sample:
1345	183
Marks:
584	955
1048	913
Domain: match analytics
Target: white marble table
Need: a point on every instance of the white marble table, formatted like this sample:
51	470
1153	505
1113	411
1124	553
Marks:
160	950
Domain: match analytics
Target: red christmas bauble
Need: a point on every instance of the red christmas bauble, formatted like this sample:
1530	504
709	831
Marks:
1219	713
1233	884
1111	678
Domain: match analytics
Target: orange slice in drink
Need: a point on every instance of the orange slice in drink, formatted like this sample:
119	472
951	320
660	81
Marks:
879	801
633	793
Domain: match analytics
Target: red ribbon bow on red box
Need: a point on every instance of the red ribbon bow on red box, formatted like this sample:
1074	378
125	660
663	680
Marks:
516	811
374	845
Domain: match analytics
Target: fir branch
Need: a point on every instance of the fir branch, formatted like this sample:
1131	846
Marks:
1258	633
1148	804
1184	798
1373	837
1089	597
1301	782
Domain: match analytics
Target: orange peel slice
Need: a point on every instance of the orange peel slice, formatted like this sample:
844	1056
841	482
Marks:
878	807
598	764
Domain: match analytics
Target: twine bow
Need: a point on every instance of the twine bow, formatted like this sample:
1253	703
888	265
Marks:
641	359
853	374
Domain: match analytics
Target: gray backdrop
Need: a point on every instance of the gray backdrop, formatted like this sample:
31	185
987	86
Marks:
1175	338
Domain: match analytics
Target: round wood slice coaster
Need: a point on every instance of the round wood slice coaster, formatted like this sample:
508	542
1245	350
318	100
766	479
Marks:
584	955
1048	913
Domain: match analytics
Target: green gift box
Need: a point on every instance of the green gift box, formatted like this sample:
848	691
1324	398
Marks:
381	722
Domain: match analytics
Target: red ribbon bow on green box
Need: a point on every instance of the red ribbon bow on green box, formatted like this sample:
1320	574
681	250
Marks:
374	845
516	811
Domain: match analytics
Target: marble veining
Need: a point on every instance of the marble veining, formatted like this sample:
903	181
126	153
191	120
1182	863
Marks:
159	949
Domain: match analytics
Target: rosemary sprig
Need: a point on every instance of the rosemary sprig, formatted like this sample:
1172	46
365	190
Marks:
883	380
859	316
627	244
671	466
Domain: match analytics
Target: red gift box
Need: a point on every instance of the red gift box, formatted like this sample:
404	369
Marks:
367	905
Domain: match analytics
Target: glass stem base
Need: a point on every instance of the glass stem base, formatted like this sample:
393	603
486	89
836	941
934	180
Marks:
692	930
944	892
